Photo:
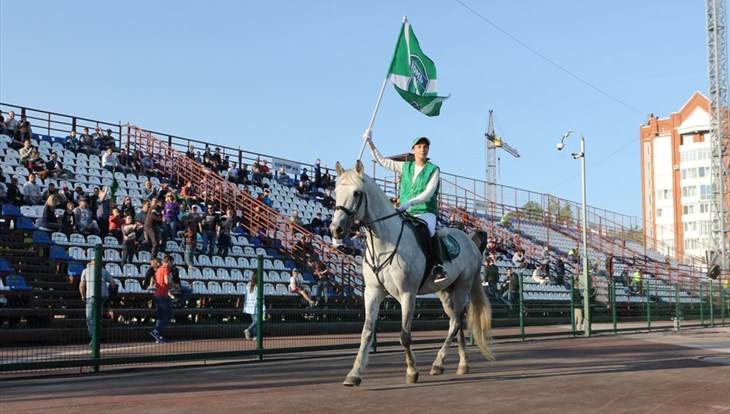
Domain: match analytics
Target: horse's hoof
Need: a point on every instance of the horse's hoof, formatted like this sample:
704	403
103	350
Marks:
352	381
463	369
412	378
435	370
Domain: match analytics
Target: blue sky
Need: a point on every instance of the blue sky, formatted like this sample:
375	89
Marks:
299	79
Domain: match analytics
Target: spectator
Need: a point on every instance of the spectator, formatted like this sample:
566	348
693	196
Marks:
283	178
67	220
87	288
243	175
107	141
163	303
232	172
51	190
317	225
295	219
72	142
519	259
295	286
148	192
491	278
116	221
103	210
108	160
148	166
49	220
225	164
87	143
3	188
170	215
25	152
66	195
328	201
216	158
23	133
83	219
189	193
129	239
357	242
149	277
11	123
265	170
152	225
539	276
15	194
191	226
317	173
208	228
322	275
511	288
256	177
637	282
37	165
33	195
265	199
560	270
250	306
54	166
127	209
225	225
191	152
78	195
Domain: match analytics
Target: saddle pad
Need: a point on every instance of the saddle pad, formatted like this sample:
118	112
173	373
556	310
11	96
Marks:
451	246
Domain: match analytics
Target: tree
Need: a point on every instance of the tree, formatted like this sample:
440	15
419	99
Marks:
531	210
566	214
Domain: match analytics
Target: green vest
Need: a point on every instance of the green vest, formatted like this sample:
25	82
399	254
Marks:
637	276
410	188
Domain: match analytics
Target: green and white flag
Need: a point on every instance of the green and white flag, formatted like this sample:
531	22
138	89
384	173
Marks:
414	75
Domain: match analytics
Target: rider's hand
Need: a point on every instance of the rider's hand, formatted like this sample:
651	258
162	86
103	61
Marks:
404	206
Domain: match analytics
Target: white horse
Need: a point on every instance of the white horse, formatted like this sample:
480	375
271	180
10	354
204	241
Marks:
395	264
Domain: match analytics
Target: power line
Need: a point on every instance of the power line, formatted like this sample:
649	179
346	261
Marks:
552	62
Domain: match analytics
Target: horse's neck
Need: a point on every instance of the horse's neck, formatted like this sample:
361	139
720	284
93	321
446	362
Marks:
385	233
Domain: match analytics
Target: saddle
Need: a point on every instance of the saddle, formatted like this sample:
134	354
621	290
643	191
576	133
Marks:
450	248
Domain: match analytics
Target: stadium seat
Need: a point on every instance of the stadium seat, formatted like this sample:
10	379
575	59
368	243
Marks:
241	288
77	253
231	262
214	288
111	242
17	282
41	237
131	270
93	240
5	266
223	274
59	253
269	289
199	287
282	289
111	255
209	274
75	268
236	275
229	288
25	223
132	286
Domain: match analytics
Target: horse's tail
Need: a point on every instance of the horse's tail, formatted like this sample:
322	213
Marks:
480	317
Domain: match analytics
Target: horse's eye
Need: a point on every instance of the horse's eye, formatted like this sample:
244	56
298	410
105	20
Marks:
357	193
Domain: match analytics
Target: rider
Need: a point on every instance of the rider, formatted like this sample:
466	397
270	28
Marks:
419	186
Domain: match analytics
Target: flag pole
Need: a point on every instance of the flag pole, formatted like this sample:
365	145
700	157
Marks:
375	112
382	90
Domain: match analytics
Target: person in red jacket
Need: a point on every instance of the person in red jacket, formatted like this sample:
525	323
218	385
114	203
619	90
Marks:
161	297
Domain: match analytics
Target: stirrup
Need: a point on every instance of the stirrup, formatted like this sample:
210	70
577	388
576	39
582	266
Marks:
439	273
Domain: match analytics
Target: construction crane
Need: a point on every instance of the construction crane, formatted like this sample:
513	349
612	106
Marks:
718	258
493	143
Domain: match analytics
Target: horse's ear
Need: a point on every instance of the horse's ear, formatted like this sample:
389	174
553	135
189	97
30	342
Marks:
338	169
359	167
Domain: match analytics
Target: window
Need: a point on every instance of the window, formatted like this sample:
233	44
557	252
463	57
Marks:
688	209
704	208
705	192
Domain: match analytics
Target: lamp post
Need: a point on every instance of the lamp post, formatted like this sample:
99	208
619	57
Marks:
585	281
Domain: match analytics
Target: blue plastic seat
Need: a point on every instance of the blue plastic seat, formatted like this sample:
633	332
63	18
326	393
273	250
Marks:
25	223
59	253
17	282
41	237
75	268
10	210
5	266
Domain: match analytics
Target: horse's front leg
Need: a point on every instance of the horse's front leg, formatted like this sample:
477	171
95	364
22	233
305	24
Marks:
408	306
447	301
373	296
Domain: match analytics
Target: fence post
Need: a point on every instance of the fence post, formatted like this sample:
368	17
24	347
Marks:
677	310
712	307
702	307
613	304
572	306
260	307
723	304
522	309
97	304
647	296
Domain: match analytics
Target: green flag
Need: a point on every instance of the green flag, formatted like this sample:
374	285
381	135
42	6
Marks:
414	75
114	187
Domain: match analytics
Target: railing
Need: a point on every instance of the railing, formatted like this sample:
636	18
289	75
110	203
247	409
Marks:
257	218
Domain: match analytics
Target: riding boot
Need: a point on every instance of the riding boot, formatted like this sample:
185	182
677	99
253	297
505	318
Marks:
437	272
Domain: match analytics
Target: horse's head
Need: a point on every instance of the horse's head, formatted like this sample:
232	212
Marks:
350	201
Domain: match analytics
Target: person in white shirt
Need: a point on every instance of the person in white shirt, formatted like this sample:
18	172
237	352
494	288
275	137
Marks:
108	160
295	286
32	191
87	287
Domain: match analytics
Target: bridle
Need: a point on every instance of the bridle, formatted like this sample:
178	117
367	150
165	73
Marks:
370	261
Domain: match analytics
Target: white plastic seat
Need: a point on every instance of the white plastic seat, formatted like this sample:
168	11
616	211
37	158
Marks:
236	275
229	288
241	288
93	240
209	274
214	288
59	238
217	261
111	255
223	274
199	287
78	253
230	262
195	274
132	286
114	269
131	270
111	242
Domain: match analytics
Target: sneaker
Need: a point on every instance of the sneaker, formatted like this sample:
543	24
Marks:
439	274
247	334
156	335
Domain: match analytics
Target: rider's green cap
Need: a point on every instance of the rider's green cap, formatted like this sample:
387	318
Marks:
418	140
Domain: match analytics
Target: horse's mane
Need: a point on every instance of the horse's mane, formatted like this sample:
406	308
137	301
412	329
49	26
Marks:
363	183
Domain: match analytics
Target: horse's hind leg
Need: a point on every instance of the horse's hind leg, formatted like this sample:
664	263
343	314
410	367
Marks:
373	297
463	356
408	305
438	364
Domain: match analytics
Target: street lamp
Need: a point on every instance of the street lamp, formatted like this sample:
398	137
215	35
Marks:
585	281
